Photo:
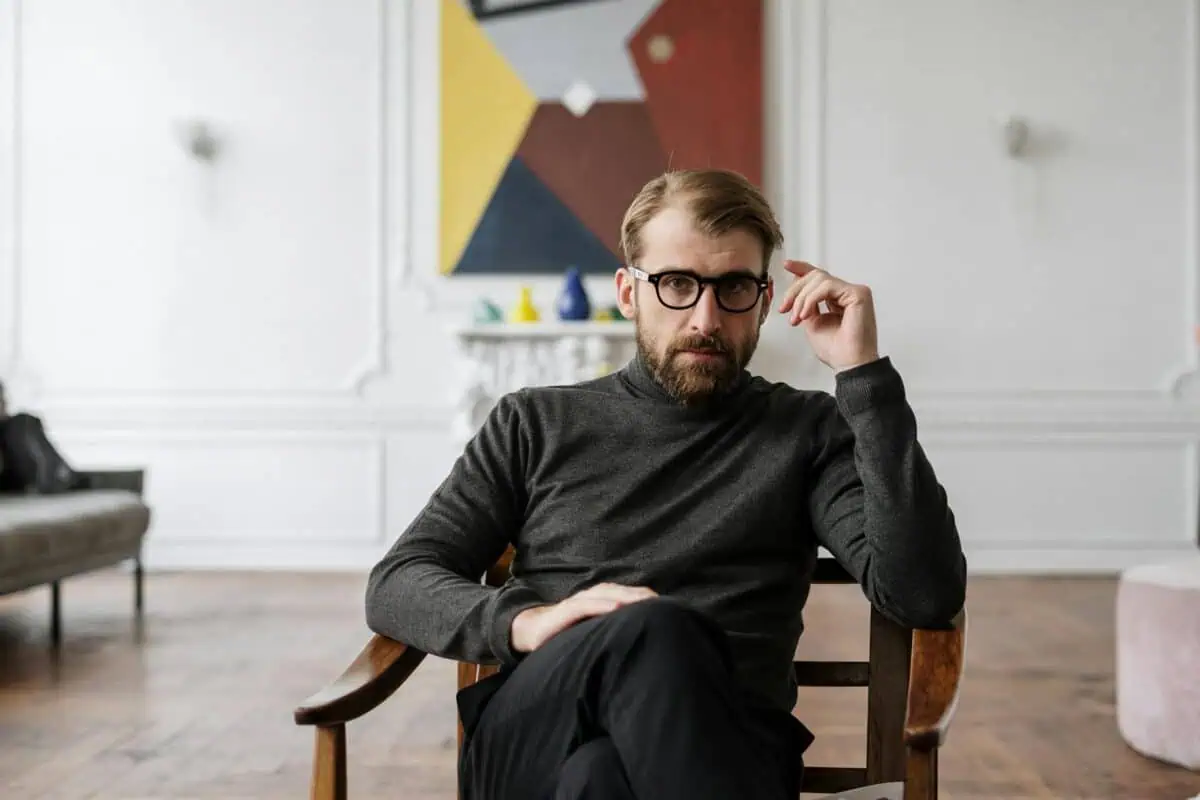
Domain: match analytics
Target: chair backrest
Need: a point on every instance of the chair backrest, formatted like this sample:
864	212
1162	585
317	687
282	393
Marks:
884	675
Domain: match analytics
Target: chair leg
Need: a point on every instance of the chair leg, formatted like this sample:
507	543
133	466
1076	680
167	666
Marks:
56	614
329	764
921	782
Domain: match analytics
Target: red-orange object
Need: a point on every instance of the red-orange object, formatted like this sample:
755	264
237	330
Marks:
700	62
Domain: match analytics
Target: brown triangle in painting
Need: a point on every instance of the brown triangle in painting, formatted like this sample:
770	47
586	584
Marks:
596	163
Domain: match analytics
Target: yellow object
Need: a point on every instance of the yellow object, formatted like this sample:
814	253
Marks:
486	108
524	310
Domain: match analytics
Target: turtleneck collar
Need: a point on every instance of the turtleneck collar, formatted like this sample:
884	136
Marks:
639	377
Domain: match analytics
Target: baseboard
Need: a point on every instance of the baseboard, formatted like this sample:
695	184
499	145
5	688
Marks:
289	556
991	560
1106	559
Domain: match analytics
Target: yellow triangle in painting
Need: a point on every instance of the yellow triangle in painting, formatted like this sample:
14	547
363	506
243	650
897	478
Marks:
486	108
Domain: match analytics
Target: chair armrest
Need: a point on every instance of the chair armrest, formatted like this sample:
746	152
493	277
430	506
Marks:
933	686
378	671
129	480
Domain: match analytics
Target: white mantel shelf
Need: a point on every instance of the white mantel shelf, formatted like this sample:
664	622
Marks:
544	330
496	358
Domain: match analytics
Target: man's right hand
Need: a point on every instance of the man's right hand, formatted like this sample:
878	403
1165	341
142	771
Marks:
533	627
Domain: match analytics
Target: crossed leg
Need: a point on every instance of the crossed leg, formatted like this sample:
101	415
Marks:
639	703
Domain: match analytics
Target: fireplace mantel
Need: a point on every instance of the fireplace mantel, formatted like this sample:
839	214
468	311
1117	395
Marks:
498	357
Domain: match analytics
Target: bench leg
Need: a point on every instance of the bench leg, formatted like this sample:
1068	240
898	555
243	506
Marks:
55	614
138	586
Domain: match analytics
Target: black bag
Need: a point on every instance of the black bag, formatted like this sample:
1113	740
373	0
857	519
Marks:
31	464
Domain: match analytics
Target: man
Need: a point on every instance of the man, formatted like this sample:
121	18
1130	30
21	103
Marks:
666	520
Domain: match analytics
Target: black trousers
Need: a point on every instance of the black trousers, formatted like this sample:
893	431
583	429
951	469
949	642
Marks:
639	704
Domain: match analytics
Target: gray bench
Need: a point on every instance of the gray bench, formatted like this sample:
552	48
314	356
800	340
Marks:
45	539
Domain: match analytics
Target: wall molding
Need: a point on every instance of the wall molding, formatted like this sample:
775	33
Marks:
1182	381
983	560
267	419
1063	559
809	26
10	187
422	54
390	195
371	444
261	555
982	420
374	362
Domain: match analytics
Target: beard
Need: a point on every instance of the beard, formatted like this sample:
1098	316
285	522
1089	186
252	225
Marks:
690	381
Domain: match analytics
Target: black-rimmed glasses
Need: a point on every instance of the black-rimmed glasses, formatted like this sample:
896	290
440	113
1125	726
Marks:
736	292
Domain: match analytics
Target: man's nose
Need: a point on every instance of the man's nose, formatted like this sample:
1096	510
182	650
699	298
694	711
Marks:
706	314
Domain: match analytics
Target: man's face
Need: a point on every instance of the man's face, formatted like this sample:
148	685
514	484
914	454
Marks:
695	352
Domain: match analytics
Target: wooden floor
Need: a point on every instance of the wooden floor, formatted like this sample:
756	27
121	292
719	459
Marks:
200	707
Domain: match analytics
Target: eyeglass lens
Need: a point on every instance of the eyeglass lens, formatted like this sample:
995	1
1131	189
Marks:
734	292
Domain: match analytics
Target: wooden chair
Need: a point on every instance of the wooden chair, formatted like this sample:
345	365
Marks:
912	679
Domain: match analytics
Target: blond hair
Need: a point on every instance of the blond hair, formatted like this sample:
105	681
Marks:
718	200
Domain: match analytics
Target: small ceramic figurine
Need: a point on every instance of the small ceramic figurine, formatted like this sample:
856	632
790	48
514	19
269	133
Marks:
573	303
487	312
524	310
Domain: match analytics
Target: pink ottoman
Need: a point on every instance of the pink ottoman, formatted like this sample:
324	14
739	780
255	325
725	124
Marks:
1158	660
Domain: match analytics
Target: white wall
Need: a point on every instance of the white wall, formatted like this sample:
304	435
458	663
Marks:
266	333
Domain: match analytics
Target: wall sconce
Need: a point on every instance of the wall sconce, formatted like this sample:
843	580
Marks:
1016	136
198	139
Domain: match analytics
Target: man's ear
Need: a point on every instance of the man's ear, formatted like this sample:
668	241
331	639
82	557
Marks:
768	299
626	284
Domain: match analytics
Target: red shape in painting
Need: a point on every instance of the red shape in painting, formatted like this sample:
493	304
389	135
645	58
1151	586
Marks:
700	62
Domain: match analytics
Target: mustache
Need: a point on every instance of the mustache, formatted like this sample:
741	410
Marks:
710	343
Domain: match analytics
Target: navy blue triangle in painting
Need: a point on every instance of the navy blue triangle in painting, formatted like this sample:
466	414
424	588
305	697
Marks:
527	229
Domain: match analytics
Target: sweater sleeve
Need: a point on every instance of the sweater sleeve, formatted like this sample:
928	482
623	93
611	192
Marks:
427	590
877	505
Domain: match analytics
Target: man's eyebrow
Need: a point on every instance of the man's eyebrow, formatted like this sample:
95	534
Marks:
749	271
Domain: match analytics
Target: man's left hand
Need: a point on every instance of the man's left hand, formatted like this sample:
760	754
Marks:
843	336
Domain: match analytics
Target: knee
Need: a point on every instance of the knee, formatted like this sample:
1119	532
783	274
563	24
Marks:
668	625
658	612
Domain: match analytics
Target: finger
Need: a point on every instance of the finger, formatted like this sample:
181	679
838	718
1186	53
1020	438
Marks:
798	285
824	291
572	612
798	302
621	587
835	293
620	592
797	267
631	594
582	607
839	297
807	300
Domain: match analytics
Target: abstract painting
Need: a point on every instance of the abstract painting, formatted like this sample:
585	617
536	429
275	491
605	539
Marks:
555	112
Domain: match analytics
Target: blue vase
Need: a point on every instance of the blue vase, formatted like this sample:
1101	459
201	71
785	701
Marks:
573	303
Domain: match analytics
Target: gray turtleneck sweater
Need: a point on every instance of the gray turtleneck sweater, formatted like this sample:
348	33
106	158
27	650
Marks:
722	507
